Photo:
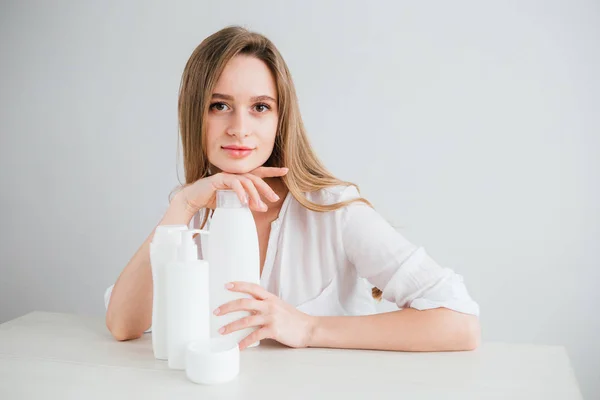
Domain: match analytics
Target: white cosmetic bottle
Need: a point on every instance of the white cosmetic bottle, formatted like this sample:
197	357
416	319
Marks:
188	312
163	250
233	255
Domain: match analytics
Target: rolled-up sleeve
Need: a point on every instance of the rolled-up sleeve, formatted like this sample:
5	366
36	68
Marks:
107	295
404	272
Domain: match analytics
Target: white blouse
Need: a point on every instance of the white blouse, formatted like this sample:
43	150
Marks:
326	263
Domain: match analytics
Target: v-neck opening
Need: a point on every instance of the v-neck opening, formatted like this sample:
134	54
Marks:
274	230
283	208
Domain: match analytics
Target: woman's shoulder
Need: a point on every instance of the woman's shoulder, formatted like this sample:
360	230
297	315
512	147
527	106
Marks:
333	194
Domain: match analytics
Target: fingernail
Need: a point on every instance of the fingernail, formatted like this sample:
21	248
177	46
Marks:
275	197
228	285
217	311
221	330
263	205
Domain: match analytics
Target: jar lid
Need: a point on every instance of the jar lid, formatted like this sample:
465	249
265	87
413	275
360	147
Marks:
217	362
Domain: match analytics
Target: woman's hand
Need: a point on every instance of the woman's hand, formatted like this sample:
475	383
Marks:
275	318
202	193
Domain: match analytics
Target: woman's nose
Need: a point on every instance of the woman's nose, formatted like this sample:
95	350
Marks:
240	126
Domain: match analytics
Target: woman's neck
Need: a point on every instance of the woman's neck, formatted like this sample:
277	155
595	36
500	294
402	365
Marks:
278	187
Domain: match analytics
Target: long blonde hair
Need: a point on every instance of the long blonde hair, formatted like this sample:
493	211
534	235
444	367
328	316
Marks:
292	148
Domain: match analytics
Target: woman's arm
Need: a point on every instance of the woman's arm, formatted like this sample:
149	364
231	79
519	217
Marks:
437	312
129	311
437	329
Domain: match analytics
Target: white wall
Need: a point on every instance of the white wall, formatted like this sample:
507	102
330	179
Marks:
472	126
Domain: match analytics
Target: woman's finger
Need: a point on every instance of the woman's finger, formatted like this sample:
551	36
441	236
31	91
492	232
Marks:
251	190
263	187
257	291
243	323
269	172
257	335
244	304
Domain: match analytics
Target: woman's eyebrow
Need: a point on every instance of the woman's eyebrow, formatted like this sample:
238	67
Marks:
230	98
263	98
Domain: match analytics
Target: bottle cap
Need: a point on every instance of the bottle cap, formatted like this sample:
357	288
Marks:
188	250
229	199
213	363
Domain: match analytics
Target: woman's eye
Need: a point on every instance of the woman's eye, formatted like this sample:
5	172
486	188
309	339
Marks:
218	106
262	108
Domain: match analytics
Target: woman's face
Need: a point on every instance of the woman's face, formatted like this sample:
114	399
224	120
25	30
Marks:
242	118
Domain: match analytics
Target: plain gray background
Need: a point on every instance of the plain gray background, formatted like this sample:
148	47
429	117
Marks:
473	126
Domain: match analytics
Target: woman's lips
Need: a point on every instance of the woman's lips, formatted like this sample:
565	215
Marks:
237	152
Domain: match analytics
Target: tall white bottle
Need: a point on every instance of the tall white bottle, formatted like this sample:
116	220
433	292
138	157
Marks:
233	255
188	311
163	250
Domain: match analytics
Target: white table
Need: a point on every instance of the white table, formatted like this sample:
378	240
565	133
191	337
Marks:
63	356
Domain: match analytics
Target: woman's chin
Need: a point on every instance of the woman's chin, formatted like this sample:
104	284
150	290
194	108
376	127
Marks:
237	168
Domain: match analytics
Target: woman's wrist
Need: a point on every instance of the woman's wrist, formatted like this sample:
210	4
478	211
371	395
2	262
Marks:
180	211
313	330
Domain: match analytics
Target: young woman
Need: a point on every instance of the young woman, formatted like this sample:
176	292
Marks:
325	252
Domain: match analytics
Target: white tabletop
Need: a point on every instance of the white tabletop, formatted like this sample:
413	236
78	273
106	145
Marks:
73	357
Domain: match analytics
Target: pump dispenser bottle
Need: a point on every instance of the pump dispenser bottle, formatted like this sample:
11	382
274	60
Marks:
163	250
188	312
